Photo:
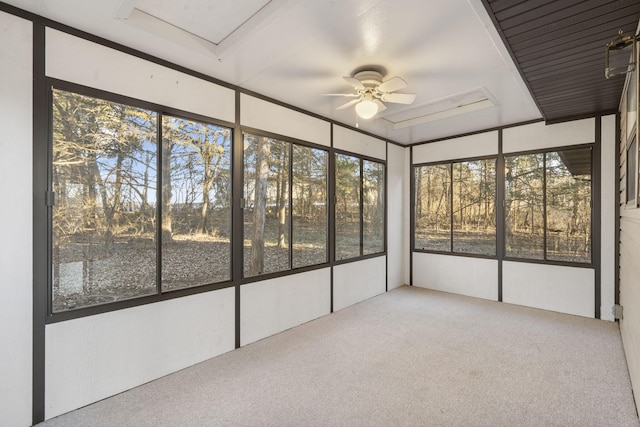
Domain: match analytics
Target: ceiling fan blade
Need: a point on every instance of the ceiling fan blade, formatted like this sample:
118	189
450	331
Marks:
393	84
348	95
357	84
348	104
381	106
399	98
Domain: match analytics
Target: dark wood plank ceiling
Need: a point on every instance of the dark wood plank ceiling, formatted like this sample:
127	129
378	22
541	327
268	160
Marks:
559	48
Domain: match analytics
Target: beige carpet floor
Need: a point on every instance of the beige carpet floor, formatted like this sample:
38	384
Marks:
407	357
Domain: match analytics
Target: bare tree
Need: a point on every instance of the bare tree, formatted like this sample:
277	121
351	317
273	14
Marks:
260	204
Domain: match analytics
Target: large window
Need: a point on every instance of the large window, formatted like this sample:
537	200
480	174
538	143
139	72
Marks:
548	205
285	205
360	203
141	202
112	207
196	203
372	207
455	207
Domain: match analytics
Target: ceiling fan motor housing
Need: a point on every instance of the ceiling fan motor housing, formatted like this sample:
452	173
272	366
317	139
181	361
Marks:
370	79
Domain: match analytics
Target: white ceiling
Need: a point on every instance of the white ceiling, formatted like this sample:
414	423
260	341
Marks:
296	50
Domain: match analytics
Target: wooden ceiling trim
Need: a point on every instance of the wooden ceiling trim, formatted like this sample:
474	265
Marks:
553	53
533	69
555	11
571	70
569	87
558	30
528	11
575	95
515	7
558	48
567	42
560	68
575	106
626	23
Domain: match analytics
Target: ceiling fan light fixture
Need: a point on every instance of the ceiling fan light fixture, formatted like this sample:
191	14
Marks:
366	108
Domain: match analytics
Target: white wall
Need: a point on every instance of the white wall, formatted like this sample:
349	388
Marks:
355	142
153	340
475	277
156	339
16	220
397	211
538	136
551	287
113	71
271	306
91	358
564	289
479	145
267	116
357	281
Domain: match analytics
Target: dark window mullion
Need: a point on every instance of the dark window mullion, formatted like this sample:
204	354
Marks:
544	205
361	206
290	214
50	210
451	207
159	202
331	206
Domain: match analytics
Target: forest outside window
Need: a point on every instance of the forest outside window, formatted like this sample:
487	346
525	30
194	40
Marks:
285	205
112	204
196	203
548	205
455	208
360	204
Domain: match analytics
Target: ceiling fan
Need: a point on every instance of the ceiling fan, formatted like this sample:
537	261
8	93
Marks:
372	93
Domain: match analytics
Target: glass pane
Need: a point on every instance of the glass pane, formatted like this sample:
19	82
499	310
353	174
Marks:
631	171
632	103
373	207
309	206
196	203
569	205
433	207
524	222
474	216
347	207
266	213
104	177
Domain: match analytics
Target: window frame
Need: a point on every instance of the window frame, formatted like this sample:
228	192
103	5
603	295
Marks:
161	117
43	248
160	111
451	163
291	141
631	200
362	158
593	204
630	134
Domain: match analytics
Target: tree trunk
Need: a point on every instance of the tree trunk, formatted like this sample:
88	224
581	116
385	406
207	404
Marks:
166	225
380	206
282	199
208	153
260	204
418	200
